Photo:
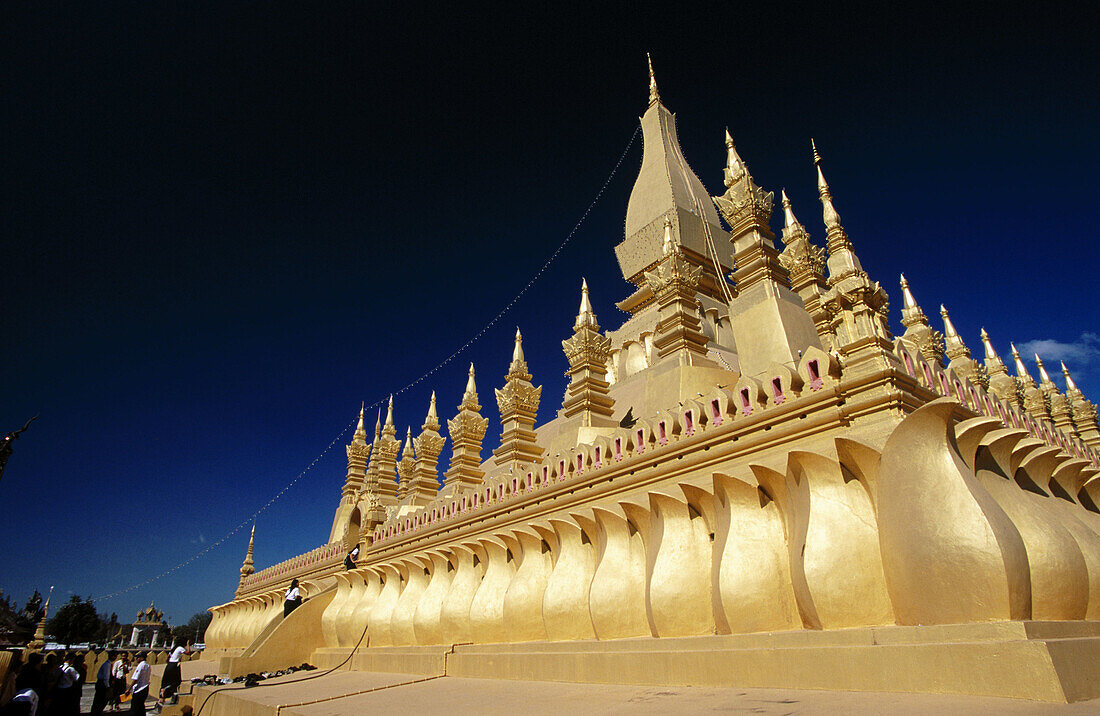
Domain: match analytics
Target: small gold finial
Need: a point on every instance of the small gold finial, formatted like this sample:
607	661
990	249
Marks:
517	352
817	157
948	326
990	352
360	430
1021	369
1070	385
789	220
471	386
585	315
431	422
389	413
907	296
1044	378
654	96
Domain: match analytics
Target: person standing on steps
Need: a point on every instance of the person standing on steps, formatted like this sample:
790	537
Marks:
103	684
293	598
139	685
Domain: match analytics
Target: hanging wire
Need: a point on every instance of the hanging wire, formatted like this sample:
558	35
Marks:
251	519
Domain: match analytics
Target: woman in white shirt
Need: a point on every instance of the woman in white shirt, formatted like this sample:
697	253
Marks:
293	599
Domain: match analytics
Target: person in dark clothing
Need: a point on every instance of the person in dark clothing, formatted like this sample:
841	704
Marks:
293	599
31	676
66	687
103	685
352	558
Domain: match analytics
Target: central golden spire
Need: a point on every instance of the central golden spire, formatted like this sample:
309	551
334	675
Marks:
654	95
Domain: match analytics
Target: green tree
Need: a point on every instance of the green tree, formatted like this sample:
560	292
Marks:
75	622
194	631
17	625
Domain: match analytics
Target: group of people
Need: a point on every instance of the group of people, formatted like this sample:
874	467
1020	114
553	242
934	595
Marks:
47	685
52	685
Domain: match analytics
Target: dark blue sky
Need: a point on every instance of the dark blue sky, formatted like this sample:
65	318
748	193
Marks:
223	227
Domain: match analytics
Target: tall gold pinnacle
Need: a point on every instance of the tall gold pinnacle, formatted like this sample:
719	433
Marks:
654	96
247	567
1070	385
832	218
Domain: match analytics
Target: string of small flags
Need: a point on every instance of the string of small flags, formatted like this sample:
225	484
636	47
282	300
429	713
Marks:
251	519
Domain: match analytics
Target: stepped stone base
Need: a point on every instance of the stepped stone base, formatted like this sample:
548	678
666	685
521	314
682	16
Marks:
1057	662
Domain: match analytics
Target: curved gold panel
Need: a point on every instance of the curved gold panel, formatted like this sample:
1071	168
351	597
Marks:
565	602
332	612
523	601
950	554
454	619
360	610
862	462
346	616
752	569
382	610
841	556
616	598
795	518
416	581
678	588
1059	576
487	610
428	612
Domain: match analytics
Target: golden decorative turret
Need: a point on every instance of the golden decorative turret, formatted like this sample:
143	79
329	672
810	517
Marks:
369	500
842	261
1084	412
248	566
587	352
518	402
406	467
747	209
961	363
858	306
467	430
1034	400
918	334
763	283
1061	412
1001	384
673	282
39	641
428	445
386	457
805	262
358	452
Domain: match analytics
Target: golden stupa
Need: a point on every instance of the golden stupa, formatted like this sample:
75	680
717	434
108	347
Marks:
750	482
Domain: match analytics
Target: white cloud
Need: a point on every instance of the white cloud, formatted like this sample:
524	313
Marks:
1084	351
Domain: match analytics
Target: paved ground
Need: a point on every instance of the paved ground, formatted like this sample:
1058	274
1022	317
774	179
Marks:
404	693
